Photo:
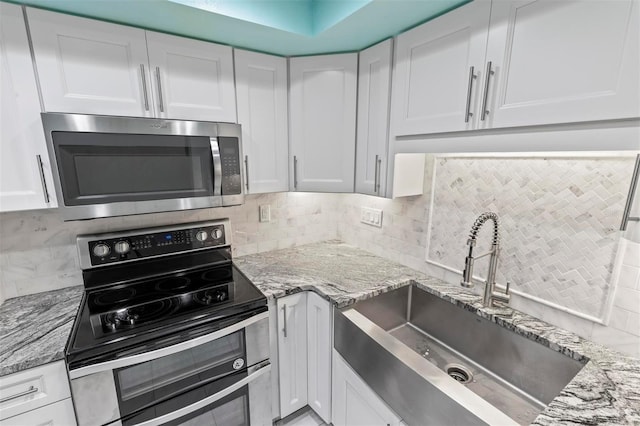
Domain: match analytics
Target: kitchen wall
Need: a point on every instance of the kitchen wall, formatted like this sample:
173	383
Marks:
38	251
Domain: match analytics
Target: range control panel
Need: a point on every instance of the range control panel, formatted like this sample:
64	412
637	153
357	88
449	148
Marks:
123	246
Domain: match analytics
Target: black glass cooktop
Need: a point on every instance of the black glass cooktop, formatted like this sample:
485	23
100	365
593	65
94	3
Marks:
114	317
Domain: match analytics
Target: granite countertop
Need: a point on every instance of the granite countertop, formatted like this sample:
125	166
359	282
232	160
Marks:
605	391
34	329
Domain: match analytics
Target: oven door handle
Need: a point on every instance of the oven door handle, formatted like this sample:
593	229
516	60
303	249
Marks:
208	400
217	167
158	353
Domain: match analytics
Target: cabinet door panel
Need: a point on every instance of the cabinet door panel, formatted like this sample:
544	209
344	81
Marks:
323	122
433	62
88	66
192	79
319	350
261	86
57	414
563	61
374	81
22	145
292	352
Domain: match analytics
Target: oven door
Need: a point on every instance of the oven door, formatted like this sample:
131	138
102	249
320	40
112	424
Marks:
164	383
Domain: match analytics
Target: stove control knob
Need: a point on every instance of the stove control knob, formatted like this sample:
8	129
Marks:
101	250
216	233
122	247
201	235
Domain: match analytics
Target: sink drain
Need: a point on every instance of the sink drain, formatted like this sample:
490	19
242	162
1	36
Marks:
459	373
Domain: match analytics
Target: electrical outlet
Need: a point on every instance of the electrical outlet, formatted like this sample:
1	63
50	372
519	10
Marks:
371	216
265	213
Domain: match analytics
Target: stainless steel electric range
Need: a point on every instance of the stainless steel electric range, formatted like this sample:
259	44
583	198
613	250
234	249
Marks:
169	332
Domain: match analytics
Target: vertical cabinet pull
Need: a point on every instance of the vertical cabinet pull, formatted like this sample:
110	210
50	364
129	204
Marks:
144	88
158	80
489	73
246	171
295	172
630	196
29	391
379	166
284	322
45	191
467	112
375	177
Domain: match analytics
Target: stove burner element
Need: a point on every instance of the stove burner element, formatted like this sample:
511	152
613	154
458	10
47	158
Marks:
217	274
128	318
173	283
112	297
211	296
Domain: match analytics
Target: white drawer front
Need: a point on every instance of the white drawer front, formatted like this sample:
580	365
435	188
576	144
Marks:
57	414
33	388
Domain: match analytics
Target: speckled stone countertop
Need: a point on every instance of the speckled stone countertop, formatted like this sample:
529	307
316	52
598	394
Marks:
34	329
605	391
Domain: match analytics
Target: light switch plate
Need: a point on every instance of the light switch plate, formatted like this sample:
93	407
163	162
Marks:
371	216
265	213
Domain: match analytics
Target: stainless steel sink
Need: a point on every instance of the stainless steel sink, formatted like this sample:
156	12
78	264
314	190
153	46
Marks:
436	363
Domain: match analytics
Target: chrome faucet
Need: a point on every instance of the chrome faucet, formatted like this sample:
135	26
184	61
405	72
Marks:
490	290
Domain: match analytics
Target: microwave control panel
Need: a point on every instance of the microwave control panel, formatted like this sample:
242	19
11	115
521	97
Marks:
143	245
231	168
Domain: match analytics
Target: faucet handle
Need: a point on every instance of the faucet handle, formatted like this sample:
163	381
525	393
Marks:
506	290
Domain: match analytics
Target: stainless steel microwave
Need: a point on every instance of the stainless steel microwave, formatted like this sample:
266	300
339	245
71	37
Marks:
107	166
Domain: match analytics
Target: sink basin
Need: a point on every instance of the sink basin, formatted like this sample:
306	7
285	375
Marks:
436	363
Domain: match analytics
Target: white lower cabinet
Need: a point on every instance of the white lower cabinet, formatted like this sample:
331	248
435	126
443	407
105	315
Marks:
304	354
354	403
37	396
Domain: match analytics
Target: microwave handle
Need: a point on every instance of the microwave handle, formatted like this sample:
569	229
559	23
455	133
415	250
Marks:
217	167
262	369
169	350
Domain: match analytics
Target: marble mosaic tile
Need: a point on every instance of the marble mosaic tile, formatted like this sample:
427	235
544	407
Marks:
558	222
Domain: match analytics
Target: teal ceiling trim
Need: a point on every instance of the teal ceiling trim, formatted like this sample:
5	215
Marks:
341	26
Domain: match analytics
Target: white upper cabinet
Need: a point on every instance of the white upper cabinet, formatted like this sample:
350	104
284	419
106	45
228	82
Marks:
191	79
25	176
93	67
88	66
261	88
433	83
563	61
374	89
323	122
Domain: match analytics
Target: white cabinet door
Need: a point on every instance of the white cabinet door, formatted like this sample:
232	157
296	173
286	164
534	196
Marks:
563	61
57	414
191	79
319	346
354	403
25	175
435	62
374	89
88	66
261	87
292	352
323	122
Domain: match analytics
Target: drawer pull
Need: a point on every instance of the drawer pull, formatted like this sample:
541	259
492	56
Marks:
29	391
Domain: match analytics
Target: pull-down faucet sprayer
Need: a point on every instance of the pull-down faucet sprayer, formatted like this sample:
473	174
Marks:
490	293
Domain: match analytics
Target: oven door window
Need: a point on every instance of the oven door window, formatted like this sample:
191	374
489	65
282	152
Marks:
97	168
148	383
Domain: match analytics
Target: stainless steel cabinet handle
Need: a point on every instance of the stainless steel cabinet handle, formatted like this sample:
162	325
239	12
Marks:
42	179
375	177
486	92
630	196
295	172
144	87
160	101
284	322
246	171
467	112
29	391
379	175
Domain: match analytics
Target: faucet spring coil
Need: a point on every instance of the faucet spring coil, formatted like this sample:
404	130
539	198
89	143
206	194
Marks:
475	228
